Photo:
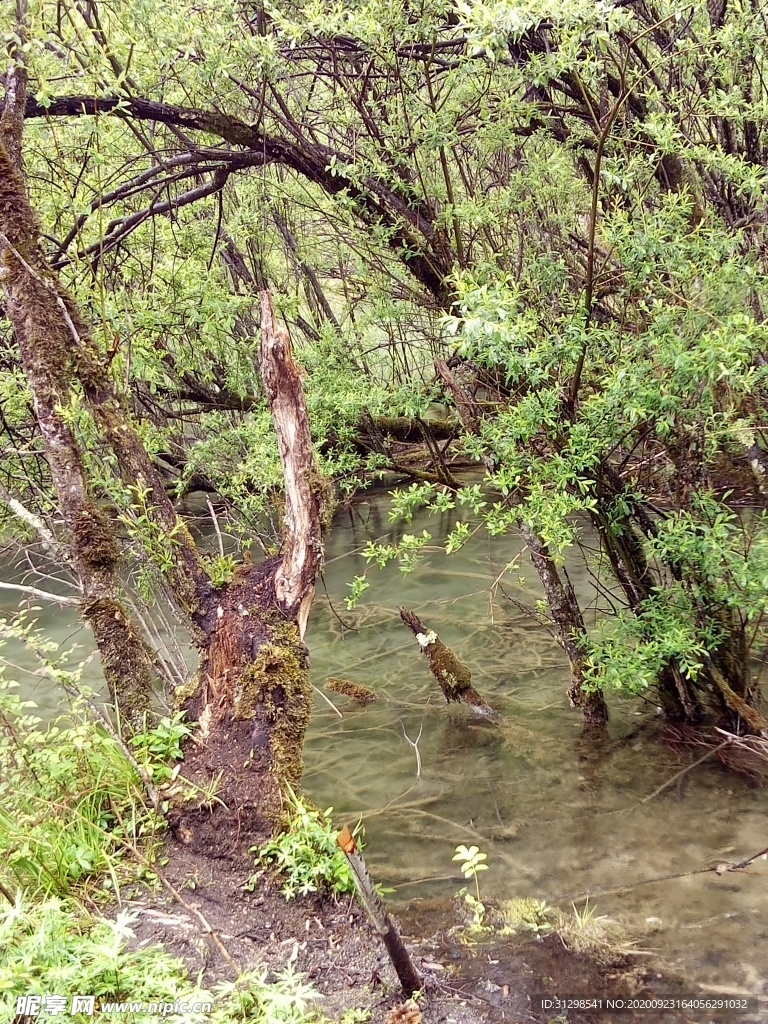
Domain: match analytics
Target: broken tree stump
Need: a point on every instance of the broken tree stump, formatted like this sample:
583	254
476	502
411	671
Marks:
452	675
409	977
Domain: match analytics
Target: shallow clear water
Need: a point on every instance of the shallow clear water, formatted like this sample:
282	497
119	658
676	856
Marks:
558	818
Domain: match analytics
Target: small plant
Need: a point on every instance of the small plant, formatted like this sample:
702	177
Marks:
161	545
585	917
307	853
221	569
595	935
357	588
525	914
355	1017
159	748
472	863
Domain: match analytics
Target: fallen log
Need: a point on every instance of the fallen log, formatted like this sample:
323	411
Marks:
452	675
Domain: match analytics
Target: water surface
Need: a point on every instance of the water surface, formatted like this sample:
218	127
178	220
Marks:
558	816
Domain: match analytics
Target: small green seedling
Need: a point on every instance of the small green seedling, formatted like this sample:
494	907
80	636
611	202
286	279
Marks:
471	864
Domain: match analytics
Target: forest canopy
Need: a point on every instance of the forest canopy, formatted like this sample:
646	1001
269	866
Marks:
531	236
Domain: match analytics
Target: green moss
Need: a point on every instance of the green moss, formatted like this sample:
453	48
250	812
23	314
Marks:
275	690
93	538
453	675
323	490
20	224
125	659
185	692
523	915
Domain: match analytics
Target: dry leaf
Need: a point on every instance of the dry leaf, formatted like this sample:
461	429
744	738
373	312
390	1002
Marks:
405	1013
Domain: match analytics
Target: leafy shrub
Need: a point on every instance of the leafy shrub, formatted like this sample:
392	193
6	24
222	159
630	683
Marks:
307	853
69	799
158	748
50	948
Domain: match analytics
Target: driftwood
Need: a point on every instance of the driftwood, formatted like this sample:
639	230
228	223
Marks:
382	922
453	676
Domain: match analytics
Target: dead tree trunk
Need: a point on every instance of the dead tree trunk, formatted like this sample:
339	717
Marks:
255	701
254	698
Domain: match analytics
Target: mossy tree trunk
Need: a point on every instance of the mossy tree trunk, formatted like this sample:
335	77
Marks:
254	698
569	623
42	317
255	701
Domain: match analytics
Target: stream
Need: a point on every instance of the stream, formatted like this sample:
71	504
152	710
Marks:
558	818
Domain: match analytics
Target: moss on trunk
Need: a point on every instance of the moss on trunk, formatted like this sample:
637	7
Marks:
275	693
125	658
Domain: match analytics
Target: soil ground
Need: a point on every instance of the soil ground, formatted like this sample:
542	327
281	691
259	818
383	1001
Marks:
343	958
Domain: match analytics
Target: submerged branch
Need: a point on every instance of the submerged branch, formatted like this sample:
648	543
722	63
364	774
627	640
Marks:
452	675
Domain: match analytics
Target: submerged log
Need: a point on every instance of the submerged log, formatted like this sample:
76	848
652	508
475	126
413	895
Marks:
452	675
356	691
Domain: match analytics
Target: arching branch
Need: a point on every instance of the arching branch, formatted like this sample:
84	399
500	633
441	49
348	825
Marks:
412	235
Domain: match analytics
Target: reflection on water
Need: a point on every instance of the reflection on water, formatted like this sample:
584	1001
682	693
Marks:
558	816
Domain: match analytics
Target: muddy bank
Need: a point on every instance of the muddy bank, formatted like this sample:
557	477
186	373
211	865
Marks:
220	925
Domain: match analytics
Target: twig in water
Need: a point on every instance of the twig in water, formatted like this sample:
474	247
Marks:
415	745
682	772
352	629
327	700
750	860
377	912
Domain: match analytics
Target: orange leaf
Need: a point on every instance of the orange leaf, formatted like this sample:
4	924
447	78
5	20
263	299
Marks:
347	841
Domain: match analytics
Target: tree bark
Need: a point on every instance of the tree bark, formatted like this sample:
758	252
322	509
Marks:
40	312
569	622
